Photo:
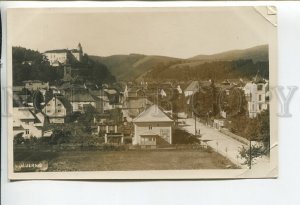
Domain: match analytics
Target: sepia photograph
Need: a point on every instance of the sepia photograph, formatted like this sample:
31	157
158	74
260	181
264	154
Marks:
142	93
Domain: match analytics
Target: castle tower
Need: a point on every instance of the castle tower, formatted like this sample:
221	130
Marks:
79	47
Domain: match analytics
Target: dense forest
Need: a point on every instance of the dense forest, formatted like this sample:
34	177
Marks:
32	65
217	70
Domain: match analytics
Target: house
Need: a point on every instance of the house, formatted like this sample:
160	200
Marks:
57	57
163	93
192	88
27	123
152	127
111	126
112	134
57	109
63	56
34	85
179	89
256	93
218	124
135	101
80	99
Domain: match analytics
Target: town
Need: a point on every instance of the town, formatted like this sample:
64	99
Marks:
222	115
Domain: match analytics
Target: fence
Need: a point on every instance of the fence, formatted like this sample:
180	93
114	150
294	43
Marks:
105	147
234	136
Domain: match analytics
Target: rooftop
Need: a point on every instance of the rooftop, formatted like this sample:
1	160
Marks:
58	51
152	114
193	86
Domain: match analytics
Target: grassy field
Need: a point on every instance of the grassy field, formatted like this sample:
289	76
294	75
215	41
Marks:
126	160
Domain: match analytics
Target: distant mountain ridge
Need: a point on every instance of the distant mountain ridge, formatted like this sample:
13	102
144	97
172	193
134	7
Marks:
133	66
257	53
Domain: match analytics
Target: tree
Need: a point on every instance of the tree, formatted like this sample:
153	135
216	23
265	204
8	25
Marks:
264	128
19	139
37	100
250	154
60	136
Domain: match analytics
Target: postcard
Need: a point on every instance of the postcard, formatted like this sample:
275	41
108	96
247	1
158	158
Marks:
142	93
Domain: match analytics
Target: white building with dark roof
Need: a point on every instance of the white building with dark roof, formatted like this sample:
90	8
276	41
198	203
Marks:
152	127
27	123
256	93
192	88
57	109
63	56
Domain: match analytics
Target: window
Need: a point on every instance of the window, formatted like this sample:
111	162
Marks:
259	106
58	104
259	87
164	132
259	97
111	129
58	110
27	131
150	127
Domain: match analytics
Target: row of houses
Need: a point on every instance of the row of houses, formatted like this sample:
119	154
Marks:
127	115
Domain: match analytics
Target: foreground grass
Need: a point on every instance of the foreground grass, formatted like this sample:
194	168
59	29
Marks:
127	160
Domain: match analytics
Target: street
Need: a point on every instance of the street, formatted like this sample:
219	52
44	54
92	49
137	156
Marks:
220	142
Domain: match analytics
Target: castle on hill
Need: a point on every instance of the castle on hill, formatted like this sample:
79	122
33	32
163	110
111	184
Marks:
64	56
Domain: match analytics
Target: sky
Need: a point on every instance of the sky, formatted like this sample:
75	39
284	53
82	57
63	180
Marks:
175	32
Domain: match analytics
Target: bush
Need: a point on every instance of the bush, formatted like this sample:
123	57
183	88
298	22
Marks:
256	151
183	137
60	137
19	139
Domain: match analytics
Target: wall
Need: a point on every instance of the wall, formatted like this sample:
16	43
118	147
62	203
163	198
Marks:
78	106
53	107
143	128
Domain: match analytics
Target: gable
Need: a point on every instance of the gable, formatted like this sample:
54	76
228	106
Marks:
152	114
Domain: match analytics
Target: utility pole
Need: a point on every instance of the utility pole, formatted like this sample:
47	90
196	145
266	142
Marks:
250	155
195	124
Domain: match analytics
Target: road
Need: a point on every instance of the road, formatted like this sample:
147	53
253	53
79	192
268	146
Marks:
220	142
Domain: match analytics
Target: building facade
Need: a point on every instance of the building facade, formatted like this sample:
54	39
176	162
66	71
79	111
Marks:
57	109
63	56
27	123
152	127
256	93
34	85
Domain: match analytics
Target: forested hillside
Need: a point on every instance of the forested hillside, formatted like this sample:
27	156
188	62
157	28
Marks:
129	67
217	70
32	65
231	64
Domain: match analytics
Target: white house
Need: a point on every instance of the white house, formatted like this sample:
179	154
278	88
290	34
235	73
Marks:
192	88
179	89
28	123
80	100
256	94
152	127
163	93
57	109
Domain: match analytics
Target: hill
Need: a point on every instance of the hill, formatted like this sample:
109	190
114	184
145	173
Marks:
257	53
138	66
217	70
129	67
